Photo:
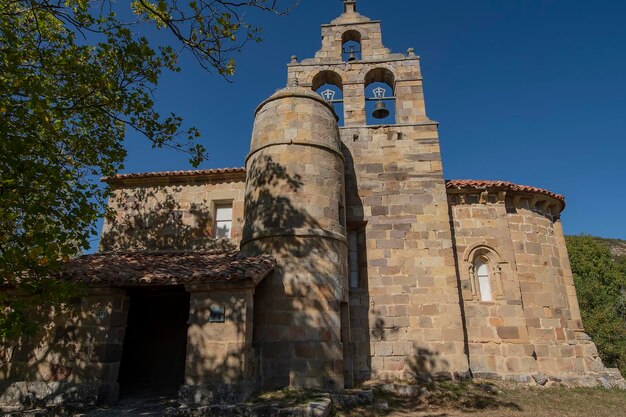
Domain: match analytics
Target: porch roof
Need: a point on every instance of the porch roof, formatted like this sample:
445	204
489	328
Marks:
113	269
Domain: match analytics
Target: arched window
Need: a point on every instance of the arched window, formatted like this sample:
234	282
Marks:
329	85
351	46
483	278
380	104
485	271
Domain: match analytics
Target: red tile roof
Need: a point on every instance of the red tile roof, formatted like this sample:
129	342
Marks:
166	268
501	185
165	174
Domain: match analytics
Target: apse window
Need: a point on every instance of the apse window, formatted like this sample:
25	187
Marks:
223	221
484	281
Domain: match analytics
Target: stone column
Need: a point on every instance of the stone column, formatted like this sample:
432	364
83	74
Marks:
354	105
106	307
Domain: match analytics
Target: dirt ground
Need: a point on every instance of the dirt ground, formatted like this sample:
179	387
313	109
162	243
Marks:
507	402
445	400
141	405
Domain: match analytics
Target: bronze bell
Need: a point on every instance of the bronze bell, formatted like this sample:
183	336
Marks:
352	57
381	110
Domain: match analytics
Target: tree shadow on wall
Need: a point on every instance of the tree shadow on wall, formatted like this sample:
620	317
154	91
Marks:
154	218
227	369
427	391
381	328
421	365
62	363
297	315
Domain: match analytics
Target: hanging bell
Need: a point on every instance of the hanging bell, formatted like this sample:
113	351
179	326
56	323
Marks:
352	57
380	112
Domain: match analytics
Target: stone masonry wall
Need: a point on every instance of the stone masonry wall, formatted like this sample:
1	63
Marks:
220	353
552	327
395	189
498	338
172	213
295	210
82	346
405	316
532	326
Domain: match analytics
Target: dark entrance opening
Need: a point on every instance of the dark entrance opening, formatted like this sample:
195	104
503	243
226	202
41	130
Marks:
155	345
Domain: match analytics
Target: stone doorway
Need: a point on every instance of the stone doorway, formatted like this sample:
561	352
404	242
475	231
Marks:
155	345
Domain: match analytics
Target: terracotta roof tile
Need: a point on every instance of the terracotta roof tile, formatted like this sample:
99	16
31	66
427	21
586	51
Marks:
501	185
166	268
192	173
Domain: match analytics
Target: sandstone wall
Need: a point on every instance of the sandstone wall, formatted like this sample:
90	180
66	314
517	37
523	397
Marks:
405	316
220	352
532	325
172	213
295	210
81	346
408	309
546	282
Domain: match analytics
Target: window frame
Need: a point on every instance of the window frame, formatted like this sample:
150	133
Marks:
217	221
358	231
486	283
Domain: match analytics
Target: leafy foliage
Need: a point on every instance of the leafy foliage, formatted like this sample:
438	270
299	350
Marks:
74	78
601	285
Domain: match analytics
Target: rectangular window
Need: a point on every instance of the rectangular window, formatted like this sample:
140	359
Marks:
353	258
217	314
223	221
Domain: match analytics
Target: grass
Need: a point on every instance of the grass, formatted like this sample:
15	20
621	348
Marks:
288	397
488	400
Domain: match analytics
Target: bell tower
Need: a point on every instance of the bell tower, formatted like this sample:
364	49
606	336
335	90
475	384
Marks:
404	308
354	60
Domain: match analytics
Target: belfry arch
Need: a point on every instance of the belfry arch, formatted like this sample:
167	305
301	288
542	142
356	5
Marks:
329	85
379	85
351	46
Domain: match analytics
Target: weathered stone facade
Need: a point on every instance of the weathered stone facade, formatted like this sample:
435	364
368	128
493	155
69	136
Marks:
294	210
533	324
75	359
383	270
164	212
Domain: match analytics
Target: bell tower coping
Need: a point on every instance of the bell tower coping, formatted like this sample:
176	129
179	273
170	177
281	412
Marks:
351	23
349	6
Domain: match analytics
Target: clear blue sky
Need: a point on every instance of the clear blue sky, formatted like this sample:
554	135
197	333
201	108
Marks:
529	91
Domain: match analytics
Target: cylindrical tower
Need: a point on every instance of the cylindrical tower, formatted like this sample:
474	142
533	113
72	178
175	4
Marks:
295	211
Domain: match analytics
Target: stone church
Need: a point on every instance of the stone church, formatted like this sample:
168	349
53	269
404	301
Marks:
339	255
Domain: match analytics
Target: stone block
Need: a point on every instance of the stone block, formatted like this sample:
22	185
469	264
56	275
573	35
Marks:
508	332
205	395
29	395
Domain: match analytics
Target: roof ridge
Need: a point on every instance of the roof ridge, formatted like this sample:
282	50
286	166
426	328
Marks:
166	268
469	183
182	173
